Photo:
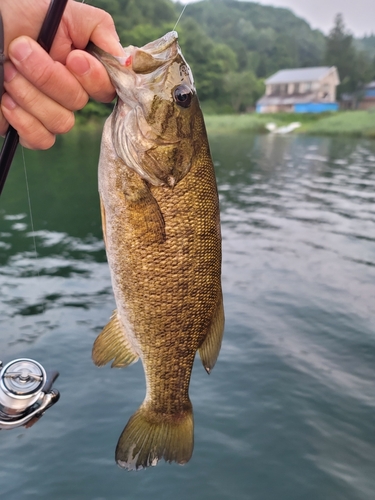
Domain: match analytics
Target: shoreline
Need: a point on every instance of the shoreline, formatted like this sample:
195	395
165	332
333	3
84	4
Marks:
347	123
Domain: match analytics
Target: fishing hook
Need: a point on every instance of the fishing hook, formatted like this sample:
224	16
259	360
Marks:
46	36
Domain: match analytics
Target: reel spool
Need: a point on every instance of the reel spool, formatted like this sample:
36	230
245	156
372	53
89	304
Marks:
25	392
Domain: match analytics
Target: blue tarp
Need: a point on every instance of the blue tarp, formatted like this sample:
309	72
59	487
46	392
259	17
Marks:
310	107
316	107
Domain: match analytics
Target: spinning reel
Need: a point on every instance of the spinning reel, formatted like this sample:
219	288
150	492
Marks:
25	392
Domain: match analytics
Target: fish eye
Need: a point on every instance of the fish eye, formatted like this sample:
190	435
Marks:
183	96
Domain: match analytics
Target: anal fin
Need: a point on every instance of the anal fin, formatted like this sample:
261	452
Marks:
210	348
112	343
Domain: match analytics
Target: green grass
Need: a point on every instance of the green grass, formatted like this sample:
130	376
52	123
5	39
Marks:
253	122
236	123
355	123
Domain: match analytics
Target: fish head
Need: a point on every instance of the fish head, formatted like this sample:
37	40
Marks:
153	123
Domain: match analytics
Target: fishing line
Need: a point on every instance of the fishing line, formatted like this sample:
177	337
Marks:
178	20
29	202
44	302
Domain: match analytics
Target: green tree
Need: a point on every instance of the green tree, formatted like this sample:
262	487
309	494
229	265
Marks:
141	34
209	61
367	44
111	6
243	89
277	37
355	67
340	52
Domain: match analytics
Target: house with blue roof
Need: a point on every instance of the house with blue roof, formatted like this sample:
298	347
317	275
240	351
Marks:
301	90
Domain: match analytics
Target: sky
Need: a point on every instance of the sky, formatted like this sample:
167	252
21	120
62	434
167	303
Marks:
359	15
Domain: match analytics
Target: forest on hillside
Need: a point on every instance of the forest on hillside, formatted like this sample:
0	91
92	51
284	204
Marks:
232	46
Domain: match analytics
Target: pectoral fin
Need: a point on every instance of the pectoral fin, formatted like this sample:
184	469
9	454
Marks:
209	350
148	221
112	343
154	221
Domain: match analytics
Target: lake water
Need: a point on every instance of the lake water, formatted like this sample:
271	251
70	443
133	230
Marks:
288	413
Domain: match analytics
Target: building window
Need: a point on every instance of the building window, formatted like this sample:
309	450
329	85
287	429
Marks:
283	89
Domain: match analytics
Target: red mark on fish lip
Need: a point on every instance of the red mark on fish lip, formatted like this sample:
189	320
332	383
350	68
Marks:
129	61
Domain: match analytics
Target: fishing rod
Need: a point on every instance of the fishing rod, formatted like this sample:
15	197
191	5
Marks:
25	386
45	39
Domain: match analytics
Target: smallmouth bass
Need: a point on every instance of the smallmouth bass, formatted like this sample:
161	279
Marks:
161	227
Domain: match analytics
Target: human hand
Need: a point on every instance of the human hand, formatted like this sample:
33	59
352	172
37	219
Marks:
42	90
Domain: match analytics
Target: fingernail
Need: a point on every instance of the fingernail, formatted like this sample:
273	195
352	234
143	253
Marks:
20	50
8	102
9	72
79	65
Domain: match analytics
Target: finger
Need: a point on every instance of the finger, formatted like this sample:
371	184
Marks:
3	124
85	23
52	115
49	76
79	24
91	75
33	134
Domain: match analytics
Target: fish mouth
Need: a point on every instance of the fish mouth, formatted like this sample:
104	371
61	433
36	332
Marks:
143	60
162	44
153	67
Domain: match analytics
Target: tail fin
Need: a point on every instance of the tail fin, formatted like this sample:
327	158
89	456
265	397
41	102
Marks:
148	437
